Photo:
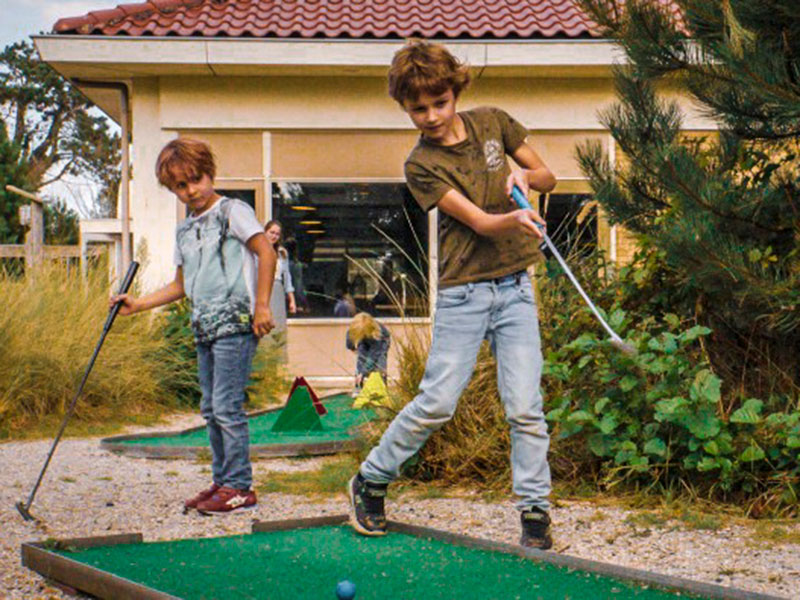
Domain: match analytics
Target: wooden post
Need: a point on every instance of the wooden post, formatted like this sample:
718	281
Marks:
34	239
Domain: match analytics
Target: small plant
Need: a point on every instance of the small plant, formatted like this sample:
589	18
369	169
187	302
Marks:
329	479
701	521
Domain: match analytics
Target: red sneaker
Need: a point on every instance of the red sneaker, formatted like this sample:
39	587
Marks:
226	499
192	503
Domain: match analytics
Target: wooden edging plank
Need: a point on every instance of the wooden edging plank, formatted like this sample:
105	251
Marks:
668	582
86	578
114	444
256	450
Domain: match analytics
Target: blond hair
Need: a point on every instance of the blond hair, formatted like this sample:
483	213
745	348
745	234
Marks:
363	326
423	67
185	157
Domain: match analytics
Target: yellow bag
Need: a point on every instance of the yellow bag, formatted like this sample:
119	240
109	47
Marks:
373	392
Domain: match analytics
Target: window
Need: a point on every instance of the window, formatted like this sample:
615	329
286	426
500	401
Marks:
354	247
248	196
571	222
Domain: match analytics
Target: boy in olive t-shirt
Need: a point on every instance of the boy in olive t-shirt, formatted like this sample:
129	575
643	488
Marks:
459	165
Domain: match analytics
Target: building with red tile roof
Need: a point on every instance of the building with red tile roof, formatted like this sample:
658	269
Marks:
292	97
364	19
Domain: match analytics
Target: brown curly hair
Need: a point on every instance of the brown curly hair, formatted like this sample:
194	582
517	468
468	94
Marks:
185	157
424	67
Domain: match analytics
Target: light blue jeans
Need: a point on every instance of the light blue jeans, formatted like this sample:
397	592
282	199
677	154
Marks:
223	368
502	311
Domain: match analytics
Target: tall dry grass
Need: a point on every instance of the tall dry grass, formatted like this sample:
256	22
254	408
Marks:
50	323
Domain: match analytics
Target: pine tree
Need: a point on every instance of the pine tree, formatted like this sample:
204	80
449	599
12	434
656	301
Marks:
723	211
47	131
11	172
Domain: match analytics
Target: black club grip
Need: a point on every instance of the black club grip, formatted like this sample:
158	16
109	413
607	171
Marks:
123	289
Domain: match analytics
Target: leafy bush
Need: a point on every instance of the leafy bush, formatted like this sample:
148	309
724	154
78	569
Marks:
659	418
177	330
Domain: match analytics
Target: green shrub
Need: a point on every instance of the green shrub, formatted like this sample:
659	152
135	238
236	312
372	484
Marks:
659	418
177	330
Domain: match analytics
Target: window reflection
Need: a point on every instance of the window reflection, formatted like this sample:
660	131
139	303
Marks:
354	247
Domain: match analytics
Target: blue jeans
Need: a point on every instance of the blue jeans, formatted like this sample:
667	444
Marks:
223	368
502	311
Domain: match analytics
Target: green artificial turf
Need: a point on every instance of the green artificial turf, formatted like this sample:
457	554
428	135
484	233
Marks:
337	425
308	563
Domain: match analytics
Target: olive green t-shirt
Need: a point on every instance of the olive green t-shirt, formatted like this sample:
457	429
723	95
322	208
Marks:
478	169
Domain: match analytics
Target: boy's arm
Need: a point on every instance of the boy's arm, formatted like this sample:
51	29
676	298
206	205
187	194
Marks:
262	319
169	293
534	174
454	204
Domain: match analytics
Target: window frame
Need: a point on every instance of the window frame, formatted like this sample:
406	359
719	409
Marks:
256	184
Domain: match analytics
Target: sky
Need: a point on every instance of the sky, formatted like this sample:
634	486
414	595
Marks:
22	18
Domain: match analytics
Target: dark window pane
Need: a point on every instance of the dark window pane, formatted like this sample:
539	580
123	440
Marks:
361	246
571	222
246	196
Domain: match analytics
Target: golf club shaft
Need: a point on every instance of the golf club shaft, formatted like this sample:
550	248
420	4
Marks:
522	202
66	418
112	313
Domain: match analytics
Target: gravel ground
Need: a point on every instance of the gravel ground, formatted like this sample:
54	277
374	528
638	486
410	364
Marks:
89	492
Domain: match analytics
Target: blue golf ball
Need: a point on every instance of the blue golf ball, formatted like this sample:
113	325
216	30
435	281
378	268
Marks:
345	590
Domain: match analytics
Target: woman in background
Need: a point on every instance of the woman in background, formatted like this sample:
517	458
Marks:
282	288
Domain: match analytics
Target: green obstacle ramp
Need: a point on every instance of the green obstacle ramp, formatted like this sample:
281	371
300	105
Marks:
305	559
300	414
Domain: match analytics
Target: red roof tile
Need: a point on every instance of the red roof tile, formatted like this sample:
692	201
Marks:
337	18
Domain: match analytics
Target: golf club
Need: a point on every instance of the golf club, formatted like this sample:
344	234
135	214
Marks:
24	507
616	341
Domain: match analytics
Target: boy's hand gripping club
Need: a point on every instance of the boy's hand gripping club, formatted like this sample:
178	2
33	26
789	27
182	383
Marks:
616	341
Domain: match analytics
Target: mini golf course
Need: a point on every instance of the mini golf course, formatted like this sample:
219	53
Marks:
306	425
307	558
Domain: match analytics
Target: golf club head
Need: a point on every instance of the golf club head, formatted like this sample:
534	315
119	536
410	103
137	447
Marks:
23	510
623	347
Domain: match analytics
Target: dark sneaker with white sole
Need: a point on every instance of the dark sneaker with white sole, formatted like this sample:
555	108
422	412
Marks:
192	503
366	504
226	499
536	529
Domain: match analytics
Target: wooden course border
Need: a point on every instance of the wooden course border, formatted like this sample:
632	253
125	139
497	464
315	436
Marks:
115	444
39	557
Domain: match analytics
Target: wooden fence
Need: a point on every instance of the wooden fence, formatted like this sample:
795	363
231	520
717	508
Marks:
34	250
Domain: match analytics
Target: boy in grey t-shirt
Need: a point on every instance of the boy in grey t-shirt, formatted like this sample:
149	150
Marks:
225	266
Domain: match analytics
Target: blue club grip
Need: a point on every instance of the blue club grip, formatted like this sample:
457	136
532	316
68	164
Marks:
520	198
522	201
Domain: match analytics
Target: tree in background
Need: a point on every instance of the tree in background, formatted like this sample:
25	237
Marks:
719	215
47	131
